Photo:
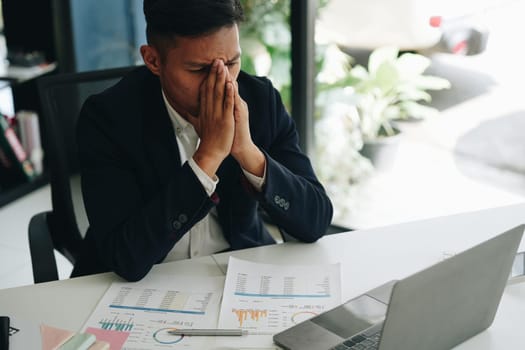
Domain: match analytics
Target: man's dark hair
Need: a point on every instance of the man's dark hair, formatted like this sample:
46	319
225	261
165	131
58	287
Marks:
168	19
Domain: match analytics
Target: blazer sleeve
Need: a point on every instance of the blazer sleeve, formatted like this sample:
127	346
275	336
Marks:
132	228
292	195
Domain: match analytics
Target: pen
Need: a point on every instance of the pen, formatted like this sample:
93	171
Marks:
213	332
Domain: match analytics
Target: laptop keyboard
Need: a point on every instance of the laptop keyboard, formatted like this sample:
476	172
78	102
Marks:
367	340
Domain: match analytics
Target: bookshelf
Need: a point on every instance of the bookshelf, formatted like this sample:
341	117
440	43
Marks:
24	96
65	34
8	195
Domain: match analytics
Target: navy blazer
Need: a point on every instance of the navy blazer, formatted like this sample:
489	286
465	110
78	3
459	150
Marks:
140	201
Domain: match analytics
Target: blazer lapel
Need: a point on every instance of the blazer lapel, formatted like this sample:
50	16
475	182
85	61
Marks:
159	139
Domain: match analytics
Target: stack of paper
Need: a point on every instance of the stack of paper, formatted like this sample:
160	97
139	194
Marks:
260	298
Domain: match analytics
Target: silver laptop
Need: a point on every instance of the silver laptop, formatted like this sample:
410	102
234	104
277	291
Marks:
434	309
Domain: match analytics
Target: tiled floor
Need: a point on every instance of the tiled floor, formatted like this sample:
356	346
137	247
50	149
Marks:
15	261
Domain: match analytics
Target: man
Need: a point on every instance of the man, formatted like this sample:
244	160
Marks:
178	156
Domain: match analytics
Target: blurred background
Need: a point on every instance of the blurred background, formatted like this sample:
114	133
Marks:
416	107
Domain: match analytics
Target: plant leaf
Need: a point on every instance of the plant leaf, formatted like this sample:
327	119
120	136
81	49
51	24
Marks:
430	82
416	110
359	73
381	55
386	77
411	65
409	92
392	112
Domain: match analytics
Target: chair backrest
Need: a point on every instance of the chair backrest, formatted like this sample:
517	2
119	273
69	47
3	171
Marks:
61	98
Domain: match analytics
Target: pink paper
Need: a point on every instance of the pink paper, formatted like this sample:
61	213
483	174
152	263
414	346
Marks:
53	338
115	338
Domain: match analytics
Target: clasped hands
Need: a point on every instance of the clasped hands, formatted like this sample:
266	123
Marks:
223	125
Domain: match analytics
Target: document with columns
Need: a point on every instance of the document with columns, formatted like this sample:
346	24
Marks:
144	312
265	298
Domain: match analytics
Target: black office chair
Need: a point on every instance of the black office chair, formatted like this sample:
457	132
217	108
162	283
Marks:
62	228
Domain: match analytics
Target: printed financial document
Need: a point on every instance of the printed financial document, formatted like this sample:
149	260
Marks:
141	314
265	299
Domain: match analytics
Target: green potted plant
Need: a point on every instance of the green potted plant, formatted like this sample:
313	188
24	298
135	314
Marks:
393	87
266	42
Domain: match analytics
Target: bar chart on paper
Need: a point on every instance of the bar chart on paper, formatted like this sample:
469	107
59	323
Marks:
148	310
116	324
268	298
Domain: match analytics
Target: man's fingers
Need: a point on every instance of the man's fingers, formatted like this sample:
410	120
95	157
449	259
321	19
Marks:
240	105
229	100
239	102
203	99
210	88
218	96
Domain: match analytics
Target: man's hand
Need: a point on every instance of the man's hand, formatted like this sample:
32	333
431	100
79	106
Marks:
215	122
243	149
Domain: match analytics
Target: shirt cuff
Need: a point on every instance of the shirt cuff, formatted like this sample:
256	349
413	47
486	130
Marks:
254	180
208	183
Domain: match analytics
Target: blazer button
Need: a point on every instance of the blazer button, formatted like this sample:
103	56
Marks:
183	218
176	225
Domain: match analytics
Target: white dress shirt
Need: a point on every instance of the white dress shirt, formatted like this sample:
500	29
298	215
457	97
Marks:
205	237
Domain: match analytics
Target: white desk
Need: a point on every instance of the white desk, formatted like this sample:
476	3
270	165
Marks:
368	258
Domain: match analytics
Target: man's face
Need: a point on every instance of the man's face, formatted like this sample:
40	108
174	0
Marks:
186	66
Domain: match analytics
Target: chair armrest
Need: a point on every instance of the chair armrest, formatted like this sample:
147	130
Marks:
42	249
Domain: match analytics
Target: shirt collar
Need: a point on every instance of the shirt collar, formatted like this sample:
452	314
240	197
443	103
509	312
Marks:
177	120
